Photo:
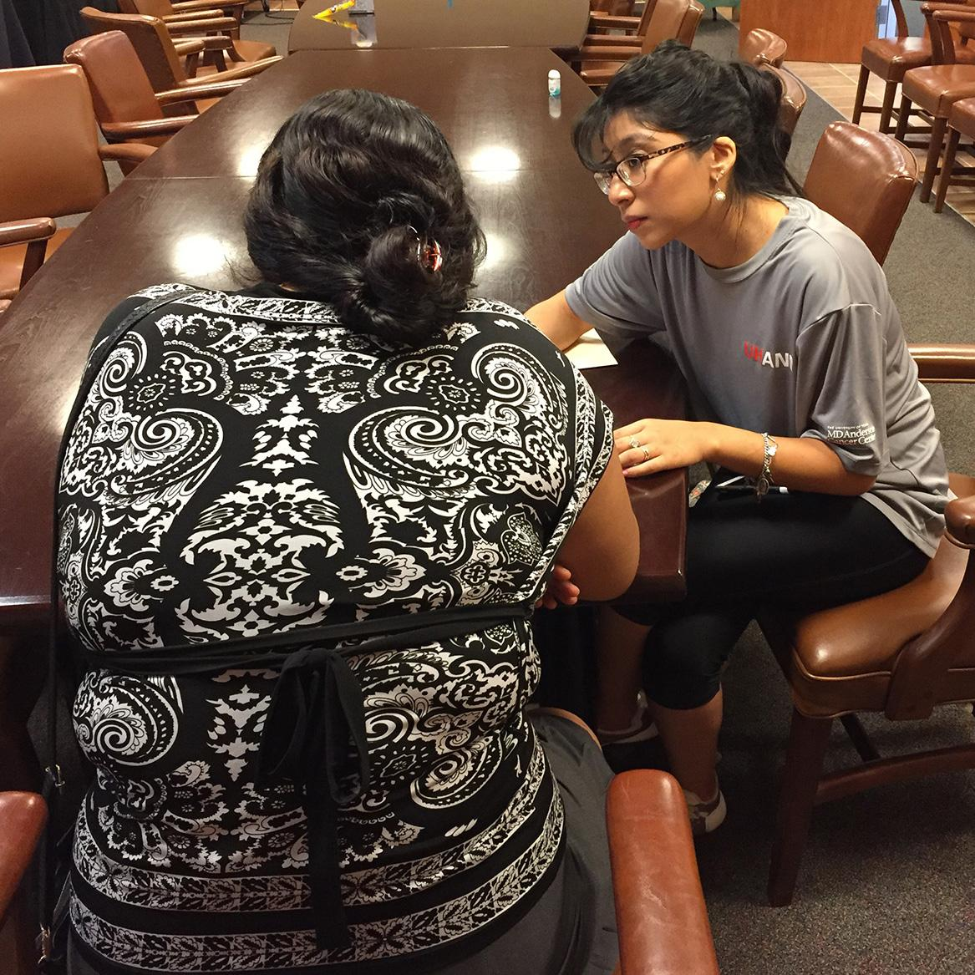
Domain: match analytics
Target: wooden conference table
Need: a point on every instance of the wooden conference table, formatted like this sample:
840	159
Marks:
421	24
178	218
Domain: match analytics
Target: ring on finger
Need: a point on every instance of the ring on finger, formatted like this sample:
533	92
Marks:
634	442
646	454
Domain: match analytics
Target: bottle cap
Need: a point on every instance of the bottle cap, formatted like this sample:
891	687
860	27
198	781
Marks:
554	74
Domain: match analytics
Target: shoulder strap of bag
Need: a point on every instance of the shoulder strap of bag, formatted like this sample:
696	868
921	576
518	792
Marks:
53	779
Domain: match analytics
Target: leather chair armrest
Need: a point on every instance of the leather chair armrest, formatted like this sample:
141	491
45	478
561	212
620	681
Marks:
615	52
610	40
23	815
24	231
126	152
208	4
216	89
120	131
597	19
247	70
190	16
188	6
944	363
960	516
203	24
660	910
193	45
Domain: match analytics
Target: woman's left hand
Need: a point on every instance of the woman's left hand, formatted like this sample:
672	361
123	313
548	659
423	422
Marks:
648	446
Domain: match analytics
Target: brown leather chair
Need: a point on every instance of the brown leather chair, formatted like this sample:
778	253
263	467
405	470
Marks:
899	654
793	99
864	179
626	26
936	87
670	19
961	122
889	59
188	9
23	815
186	23
51	163
660	911
126	107
761	46
159	57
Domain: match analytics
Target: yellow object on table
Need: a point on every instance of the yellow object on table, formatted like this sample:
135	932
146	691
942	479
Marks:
329	12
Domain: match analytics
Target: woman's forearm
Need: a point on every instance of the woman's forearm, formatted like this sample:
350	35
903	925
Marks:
800	463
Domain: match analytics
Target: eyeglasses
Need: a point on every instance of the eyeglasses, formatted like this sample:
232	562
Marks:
633	170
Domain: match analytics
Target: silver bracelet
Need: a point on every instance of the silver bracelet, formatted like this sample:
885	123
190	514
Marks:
765	481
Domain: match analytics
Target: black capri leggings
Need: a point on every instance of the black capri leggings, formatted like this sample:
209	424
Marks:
800	550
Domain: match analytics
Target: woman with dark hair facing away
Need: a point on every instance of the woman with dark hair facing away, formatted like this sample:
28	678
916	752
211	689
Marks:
831	480
302	531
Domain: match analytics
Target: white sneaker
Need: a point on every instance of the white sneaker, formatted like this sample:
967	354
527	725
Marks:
641	728
706	817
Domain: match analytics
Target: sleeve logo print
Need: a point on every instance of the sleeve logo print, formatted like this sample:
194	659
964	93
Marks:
862	433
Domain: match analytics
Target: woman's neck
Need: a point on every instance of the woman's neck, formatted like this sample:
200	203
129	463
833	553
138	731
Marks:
736	234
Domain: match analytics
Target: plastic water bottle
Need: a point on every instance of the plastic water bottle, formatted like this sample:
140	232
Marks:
554	84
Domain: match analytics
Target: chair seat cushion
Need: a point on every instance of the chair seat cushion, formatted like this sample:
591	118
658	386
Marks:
840	660
890	58
255	50
962	117
936	87
12	262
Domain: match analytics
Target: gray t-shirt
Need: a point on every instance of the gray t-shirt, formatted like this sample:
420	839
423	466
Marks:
802	340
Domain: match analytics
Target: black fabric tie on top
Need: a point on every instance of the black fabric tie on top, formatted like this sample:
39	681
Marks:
316	713
315	710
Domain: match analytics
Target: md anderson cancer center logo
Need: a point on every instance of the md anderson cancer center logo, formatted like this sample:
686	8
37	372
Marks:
764	357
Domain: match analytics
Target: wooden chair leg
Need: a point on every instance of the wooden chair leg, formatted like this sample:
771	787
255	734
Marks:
803	762
903	115
861	94
887	109
934	156
949	164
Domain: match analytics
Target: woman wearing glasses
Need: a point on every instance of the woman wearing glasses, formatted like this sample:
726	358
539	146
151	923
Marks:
831	479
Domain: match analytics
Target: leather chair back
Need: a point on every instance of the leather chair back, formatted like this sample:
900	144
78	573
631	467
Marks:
761	46
151	41
49	150
120	89
672	19
793	99
864	179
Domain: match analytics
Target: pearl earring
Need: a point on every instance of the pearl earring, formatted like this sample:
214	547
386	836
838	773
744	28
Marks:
720	196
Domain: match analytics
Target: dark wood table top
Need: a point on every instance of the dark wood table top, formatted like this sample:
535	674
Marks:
444	23
178	218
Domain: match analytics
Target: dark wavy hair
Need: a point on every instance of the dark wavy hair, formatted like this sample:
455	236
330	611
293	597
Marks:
348	187
688	92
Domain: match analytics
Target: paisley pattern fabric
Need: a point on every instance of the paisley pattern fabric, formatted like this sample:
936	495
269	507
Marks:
244	465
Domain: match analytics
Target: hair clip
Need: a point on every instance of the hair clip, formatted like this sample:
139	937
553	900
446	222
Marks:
430	256
428	253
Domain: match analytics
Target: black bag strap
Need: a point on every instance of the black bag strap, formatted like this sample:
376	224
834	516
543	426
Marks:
53	779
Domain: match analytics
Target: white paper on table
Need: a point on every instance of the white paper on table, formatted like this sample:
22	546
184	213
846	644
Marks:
590	351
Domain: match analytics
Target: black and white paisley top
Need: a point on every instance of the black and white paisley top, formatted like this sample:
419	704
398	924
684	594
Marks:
243	465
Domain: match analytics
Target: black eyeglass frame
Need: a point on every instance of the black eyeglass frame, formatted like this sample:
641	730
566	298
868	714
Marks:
604	177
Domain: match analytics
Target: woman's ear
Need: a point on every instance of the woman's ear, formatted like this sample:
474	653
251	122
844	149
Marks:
724	152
